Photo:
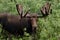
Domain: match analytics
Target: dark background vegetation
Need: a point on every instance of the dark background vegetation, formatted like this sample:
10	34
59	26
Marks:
48	28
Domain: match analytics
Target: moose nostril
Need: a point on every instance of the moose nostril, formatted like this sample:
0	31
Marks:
34	30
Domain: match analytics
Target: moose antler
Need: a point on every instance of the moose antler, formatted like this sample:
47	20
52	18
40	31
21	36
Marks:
19	9
45	10
28	12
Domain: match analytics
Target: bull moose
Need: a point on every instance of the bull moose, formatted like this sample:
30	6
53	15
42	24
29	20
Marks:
15	25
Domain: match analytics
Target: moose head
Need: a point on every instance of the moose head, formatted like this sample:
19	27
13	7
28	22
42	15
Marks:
32	23
31	17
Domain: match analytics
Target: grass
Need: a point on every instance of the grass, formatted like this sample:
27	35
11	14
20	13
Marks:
49	28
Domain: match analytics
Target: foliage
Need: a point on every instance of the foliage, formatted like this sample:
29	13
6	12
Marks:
48	28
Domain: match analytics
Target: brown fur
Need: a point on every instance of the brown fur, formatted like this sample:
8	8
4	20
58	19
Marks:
15	25
33	23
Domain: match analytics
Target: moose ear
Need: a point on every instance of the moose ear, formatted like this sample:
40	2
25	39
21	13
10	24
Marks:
19	9
28	12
